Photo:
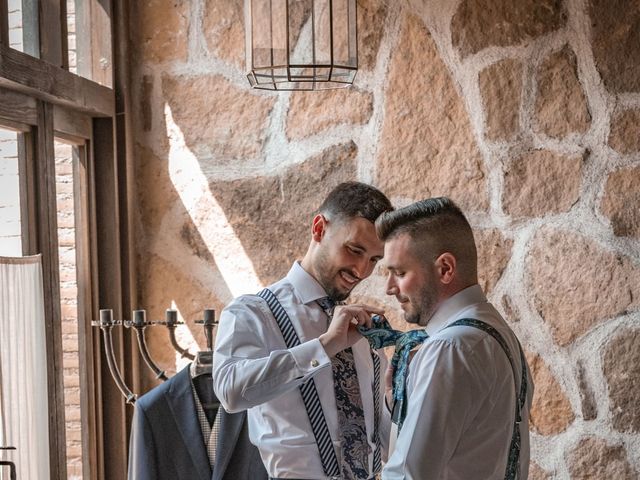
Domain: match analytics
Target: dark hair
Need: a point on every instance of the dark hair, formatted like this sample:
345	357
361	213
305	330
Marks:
355	199
436	225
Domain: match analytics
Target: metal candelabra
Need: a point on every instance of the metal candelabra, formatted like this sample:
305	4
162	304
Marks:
140	323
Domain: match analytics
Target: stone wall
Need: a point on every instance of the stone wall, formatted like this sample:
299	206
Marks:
526	113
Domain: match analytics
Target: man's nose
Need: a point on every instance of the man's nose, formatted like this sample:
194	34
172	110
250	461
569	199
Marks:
363	268
392	288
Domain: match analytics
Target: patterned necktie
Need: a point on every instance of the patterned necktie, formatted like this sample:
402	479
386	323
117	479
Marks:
382	335
353	434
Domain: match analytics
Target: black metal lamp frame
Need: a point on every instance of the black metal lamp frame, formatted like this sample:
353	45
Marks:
310	76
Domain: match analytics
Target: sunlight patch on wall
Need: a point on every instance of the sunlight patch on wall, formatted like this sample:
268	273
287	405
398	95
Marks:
192	186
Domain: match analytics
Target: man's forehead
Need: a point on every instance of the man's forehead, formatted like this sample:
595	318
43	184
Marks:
397	249
358	227
361	232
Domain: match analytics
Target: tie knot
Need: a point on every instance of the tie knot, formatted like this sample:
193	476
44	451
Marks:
412	338
327	304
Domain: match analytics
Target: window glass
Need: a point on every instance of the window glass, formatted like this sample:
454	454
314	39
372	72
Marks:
89	39
23	26
10	228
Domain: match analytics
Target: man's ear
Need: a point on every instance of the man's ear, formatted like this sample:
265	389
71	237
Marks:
446	268
318	227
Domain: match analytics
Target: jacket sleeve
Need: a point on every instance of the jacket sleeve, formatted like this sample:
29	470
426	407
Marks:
142	449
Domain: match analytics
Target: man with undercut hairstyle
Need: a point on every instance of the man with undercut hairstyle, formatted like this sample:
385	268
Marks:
463	406
312	386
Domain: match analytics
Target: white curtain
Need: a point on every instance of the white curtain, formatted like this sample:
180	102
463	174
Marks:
23	368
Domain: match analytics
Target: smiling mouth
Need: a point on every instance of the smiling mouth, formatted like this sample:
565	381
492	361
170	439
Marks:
349	279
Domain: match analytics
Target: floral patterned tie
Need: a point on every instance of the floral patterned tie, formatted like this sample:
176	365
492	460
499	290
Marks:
353	434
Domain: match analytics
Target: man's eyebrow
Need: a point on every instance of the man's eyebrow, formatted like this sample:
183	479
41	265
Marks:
356	245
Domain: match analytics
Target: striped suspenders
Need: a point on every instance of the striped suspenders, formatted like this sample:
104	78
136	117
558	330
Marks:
311	399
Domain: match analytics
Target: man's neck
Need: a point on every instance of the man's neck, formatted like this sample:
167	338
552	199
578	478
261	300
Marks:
307	265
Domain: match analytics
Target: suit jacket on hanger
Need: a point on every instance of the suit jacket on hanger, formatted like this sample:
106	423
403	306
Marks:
166	439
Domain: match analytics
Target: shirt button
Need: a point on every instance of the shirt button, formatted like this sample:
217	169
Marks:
315	363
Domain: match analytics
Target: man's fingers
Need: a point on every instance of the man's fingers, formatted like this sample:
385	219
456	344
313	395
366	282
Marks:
360	311
364	319
388	378
371	309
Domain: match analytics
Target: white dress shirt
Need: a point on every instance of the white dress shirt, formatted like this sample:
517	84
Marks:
254	370
461	399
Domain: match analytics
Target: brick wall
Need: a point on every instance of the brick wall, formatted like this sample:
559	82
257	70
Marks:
69	308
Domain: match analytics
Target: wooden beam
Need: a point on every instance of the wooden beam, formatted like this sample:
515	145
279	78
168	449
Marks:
71	125
107	214
87	311
32	76
4	22
52	15
47	244
96	336
17	107
126	178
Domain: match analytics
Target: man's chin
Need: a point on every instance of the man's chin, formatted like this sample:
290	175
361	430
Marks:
411	318
339	294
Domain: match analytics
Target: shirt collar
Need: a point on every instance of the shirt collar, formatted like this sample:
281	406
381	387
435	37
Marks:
453	306
307	288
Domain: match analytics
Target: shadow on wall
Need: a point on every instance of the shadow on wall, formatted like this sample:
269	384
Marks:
269	215
200	235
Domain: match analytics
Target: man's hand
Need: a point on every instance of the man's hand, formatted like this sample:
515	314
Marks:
342	331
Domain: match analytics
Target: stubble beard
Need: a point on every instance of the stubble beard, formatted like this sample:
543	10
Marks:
423	313
327	278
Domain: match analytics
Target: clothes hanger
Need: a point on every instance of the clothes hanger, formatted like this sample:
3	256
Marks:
201	376
203	364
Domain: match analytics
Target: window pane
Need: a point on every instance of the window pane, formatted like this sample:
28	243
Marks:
23	26
71	32
10	230
69	305
89	39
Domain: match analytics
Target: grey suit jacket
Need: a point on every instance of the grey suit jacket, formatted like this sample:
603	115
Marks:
166	439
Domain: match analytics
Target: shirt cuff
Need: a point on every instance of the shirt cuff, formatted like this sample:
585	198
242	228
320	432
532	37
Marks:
310	356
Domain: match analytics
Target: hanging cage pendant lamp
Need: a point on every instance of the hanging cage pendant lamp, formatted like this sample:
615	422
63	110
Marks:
301	44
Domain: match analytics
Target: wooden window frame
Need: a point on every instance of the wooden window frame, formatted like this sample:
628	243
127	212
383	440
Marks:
42	100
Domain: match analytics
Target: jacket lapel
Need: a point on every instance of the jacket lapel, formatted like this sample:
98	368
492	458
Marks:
230	427
182	404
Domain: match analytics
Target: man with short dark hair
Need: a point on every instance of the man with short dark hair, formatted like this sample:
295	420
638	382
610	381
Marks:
310	382
464	413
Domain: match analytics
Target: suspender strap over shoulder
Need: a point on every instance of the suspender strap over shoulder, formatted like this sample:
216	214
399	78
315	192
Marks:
513	460
308	390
